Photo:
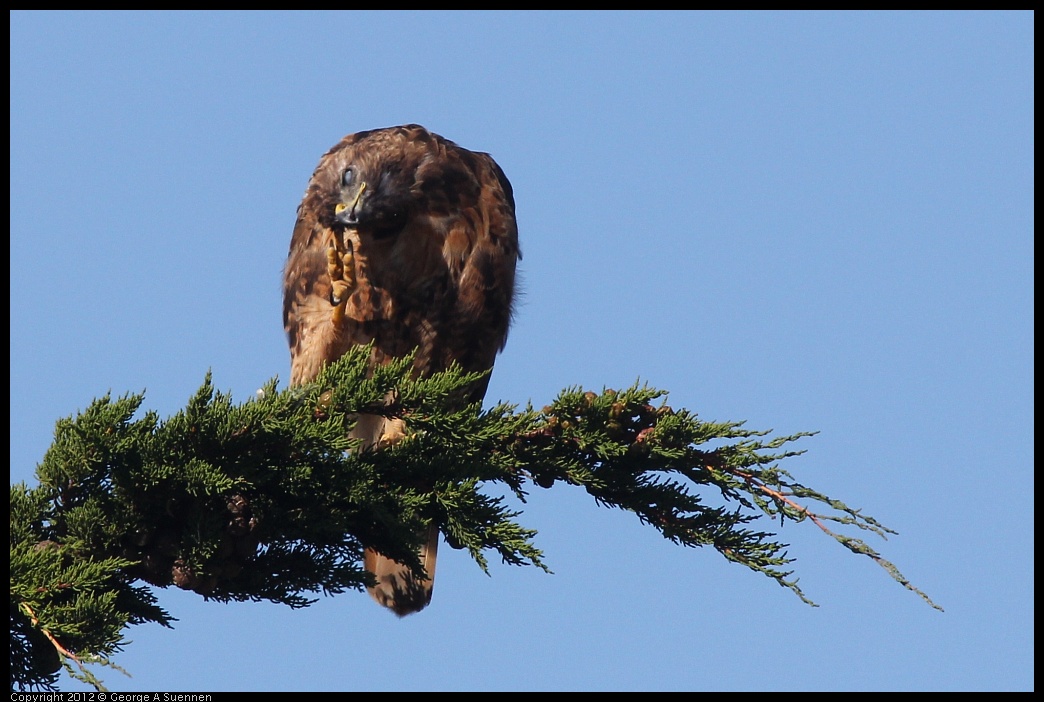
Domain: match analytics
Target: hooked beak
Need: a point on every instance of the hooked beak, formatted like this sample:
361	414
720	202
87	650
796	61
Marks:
347	213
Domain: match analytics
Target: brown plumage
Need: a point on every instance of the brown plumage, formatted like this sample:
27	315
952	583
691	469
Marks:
406	240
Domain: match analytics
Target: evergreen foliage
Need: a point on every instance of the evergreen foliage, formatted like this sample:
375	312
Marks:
266	500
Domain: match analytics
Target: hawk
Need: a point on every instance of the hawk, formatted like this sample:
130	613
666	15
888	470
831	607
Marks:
407	241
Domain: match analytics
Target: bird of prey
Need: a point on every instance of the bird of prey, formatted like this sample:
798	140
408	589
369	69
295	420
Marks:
409	242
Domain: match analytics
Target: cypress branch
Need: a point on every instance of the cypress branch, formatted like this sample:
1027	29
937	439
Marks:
267	500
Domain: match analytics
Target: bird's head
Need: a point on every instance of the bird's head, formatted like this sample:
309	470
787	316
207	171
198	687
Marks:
394	188
373	198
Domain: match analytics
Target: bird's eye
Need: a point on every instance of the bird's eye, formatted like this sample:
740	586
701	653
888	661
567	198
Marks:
348	177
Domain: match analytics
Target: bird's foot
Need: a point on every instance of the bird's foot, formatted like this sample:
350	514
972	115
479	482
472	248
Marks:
394	432
340	263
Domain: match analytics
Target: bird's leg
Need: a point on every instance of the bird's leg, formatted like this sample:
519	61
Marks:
394	431
340	260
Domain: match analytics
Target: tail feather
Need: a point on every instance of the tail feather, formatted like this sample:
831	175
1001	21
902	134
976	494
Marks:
397	587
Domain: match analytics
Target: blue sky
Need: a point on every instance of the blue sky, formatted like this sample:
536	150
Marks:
806	221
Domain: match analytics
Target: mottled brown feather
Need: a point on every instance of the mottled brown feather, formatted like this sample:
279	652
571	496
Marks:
434	254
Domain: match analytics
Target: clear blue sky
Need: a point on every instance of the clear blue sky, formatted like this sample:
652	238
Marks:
807	221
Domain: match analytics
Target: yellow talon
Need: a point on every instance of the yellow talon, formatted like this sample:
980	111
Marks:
348	262
340	263
362	189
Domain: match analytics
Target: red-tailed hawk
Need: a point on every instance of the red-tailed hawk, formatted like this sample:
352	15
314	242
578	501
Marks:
406	240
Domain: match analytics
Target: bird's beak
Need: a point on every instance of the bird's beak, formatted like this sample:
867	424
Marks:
347	213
